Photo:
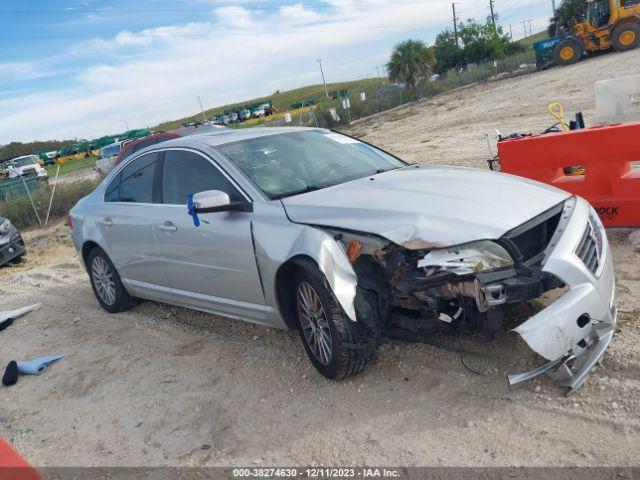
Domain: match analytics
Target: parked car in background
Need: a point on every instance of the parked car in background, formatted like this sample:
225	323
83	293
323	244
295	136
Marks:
108	156
112	150
26	165
225	119
159	137
316	231
245	114
258	112
233	116
11	244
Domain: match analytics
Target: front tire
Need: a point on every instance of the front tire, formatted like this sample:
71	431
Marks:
626	37
567	52
106	283
329	337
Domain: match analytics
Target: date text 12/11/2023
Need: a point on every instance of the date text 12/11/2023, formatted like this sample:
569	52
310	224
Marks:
316	472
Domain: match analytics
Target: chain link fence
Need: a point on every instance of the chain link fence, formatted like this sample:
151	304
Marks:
378	97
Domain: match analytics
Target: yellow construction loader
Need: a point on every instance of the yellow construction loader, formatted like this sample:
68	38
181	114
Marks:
608	23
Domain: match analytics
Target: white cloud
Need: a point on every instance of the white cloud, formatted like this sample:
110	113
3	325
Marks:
237	53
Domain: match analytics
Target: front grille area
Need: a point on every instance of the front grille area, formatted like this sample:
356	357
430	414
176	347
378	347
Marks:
588	250
531	239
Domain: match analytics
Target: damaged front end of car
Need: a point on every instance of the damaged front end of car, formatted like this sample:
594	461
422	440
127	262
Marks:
429	288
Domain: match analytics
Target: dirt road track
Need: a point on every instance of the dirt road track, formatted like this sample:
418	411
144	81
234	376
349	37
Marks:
161	385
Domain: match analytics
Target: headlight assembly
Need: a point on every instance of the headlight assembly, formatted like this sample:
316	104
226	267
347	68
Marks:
5	225
474	257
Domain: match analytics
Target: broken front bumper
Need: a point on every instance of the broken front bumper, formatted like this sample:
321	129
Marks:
574	331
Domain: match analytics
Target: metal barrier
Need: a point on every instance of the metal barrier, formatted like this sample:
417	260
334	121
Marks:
601	164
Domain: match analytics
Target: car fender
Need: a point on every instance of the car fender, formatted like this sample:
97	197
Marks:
277	243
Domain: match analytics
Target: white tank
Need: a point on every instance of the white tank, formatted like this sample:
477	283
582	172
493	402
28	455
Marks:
617	100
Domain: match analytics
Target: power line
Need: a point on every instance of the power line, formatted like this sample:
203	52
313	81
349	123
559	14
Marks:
222	8
227	34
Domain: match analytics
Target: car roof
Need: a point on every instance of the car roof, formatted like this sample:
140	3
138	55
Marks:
229	135
197	130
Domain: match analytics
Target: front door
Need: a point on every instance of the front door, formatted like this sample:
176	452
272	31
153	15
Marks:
212	265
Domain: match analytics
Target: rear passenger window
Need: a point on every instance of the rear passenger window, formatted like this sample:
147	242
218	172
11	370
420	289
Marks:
187	172
136	181
112	193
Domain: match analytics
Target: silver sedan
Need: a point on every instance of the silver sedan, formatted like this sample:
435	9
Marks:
312	230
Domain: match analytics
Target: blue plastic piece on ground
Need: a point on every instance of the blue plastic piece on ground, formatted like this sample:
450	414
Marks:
37	366
191	209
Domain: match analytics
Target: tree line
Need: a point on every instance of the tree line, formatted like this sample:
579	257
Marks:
16	149
475	42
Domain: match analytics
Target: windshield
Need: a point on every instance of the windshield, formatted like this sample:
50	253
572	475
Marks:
23	162
288	163
598	13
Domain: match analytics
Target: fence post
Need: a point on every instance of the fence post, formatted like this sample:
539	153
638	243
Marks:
52	194
35	210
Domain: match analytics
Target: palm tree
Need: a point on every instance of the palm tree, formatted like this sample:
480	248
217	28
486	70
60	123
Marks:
411	60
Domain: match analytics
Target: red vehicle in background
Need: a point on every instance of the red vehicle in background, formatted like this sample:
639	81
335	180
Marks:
161	136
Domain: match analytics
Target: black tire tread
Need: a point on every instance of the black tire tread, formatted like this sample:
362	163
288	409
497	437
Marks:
621	28
569	41
352	357
124	301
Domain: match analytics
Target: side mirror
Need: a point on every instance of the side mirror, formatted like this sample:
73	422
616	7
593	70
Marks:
216	201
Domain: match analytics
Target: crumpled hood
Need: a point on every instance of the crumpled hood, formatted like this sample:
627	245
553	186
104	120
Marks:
427	206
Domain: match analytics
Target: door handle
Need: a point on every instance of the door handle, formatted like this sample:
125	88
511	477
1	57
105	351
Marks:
167	227
106	222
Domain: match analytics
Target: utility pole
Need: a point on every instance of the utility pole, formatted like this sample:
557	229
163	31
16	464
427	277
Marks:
126	125
511	32
524	23
202	108
455	23
493	16
530	30
326	92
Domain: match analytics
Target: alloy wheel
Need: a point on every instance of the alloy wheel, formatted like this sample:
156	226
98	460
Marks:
314	323
103	280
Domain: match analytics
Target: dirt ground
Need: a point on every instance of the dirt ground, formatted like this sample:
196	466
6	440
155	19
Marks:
162	385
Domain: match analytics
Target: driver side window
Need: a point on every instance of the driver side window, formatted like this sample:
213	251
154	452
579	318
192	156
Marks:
187	172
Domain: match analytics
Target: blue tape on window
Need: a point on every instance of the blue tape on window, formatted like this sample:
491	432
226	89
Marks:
191	209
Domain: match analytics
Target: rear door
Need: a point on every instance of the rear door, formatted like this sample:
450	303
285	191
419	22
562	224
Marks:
126	222
213	264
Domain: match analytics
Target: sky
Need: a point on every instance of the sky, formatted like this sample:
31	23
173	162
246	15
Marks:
82	68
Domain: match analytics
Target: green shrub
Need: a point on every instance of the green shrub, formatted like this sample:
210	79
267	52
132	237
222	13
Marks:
20	212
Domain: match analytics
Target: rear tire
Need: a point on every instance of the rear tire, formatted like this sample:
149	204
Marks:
106	283
626	37
329	337
567	52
